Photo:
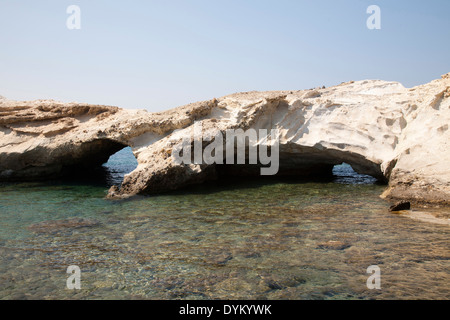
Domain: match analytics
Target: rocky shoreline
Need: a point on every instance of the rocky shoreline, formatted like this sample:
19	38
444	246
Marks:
398	135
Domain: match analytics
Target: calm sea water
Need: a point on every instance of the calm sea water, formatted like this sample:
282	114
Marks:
256	239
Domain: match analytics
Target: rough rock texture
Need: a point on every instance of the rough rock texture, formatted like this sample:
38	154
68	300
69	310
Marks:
381	128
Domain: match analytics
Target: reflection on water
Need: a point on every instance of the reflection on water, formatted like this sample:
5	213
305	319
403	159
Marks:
257	239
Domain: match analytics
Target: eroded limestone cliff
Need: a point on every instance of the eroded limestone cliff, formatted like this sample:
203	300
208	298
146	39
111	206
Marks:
396	134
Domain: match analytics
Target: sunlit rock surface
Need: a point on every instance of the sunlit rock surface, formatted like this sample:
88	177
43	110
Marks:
396	134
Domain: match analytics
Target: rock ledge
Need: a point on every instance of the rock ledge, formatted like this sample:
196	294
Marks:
396	134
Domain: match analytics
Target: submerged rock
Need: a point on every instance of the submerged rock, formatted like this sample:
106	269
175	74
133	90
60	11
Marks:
395	134
219	259
333	245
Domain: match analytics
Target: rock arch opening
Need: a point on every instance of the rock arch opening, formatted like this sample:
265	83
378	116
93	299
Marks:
344	173
119	164
73	161
309	163
89	162
296	162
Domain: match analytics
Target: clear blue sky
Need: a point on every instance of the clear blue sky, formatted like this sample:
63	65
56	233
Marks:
162	54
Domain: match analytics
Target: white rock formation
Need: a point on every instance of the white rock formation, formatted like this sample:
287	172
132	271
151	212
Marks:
396	134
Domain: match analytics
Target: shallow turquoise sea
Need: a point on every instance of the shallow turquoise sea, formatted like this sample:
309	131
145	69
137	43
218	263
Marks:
254	239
